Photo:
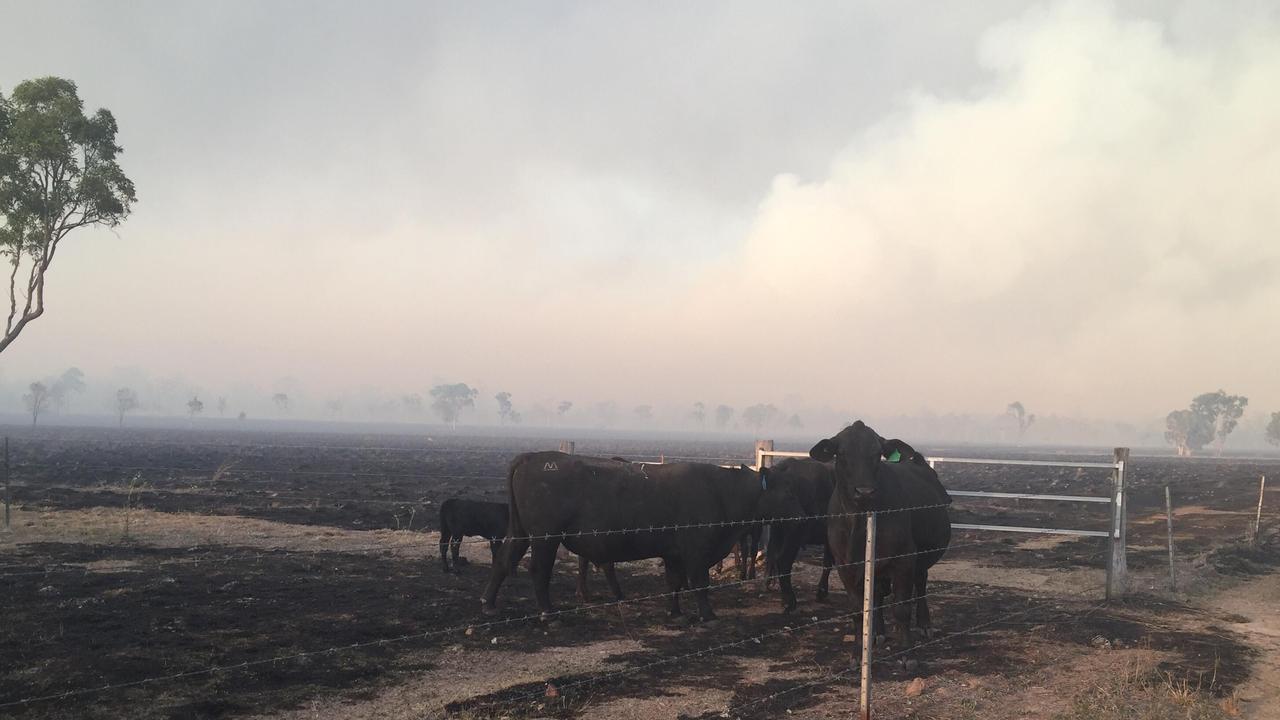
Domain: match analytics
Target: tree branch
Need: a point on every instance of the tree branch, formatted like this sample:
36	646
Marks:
13	291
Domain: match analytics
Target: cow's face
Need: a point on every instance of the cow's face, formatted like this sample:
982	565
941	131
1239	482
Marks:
856	451
778	500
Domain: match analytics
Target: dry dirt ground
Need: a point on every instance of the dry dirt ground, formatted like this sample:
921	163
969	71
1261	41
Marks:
243	577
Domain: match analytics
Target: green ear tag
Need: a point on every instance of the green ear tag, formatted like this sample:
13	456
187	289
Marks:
895	456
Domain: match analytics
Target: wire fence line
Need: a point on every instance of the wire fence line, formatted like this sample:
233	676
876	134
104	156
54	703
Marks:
827	679
236	495
460	628
617	604
605	450
605	532
675	659
231	470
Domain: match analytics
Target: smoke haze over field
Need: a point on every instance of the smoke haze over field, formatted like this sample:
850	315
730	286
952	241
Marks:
887	210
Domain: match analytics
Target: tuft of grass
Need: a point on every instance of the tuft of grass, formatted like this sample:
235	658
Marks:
1144	692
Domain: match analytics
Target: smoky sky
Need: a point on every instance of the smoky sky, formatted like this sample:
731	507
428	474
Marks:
880	206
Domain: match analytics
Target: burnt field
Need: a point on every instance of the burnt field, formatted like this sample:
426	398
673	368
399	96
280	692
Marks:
197	574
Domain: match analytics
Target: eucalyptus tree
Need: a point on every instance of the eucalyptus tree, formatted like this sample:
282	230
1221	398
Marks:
58	173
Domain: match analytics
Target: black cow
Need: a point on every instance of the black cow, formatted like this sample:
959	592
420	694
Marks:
459	518
811	482
911	541
558	498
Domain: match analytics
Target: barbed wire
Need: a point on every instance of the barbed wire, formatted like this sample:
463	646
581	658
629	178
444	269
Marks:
230	494
365	448
786	630
967	631
473	627
280	552
232	470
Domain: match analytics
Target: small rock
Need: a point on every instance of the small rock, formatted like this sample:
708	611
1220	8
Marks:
552	691
47	591
915	687
469	631
493	641
848	638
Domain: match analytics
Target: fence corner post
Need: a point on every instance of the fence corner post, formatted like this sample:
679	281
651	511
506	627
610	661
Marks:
868	607
762	460
566	447
1117	561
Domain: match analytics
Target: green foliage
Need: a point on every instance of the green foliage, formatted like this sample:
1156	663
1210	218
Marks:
1186	431
699	414
1221	412
58	172
504	406
449	400
1020	415
126	401
724	414
1211	417
69	383
37	399
760	416
1273	429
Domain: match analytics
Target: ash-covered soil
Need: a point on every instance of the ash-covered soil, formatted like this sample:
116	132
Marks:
247	575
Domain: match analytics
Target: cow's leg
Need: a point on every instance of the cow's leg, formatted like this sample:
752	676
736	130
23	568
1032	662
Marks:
882	585
824	584
674	570
903	574
771	554
444	549
495	546
542	560
455	546
512	550
785	567
700	580
584	571
753	548
611	577
851	577
922	603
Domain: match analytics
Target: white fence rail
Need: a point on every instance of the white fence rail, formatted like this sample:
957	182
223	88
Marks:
1117	564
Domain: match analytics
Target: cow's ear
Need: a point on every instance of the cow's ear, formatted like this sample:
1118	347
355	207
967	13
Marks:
824	451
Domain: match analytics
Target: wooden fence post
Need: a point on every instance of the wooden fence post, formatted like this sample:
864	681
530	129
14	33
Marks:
1168	516
1257	521
762	460
868	607
566	447
1117	561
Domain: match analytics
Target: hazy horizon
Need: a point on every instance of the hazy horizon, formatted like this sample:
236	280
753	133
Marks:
892	210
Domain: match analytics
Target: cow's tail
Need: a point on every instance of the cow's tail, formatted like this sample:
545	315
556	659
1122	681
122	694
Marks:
515	528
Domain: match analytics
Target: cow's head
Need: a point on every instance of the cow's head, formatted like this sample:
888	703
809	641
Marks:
778	499
856	452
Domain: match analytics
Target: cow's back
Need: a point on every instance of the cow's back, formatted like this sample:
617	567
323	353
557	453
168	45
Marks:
605	508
